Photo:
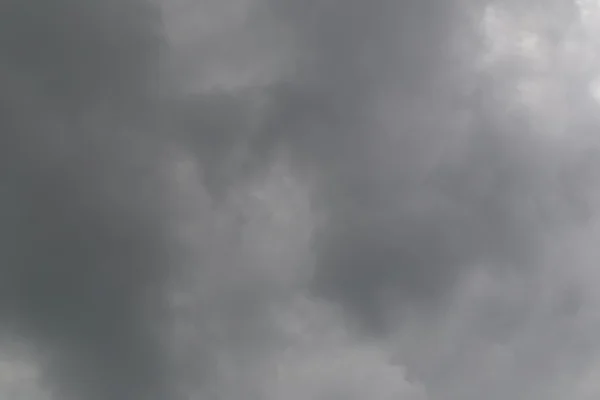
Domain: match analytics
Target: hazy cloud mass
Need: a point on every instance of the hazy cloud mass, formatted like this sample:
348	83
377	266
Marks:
299	199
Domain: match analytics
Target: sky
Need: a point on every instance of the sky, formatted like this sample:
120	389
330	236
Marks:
299	199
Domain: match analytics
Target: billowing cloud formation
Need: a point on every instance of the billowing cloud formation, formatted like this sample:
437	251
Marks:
426	162
451	155
285	199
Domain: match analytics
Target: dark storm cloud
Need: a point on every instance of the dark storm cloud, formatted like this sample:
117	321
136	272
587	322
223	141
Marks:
421	168
423	171
84	254
413	203
427	168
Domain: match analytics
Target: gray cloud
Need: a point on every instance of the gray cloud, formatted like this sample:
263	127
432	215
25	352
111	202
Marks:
271	199
84	221
439	151
422	172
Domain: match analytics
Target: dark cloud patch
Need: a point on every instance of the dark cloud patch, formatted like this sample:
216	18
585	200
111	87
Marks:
85	253
83	52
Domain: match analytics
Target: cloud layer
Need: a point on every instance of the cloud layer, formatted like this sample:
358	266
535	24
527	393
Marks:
299	198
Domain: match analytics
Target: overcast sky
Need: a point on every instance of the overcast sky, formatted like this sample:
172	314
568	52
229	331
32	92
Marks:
299	199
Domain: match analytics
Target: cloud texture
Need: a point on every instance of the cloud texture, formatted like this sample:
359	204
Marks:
299	199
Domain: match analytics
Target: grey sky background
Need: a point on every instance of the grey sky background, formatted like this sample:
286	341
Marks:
300	199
